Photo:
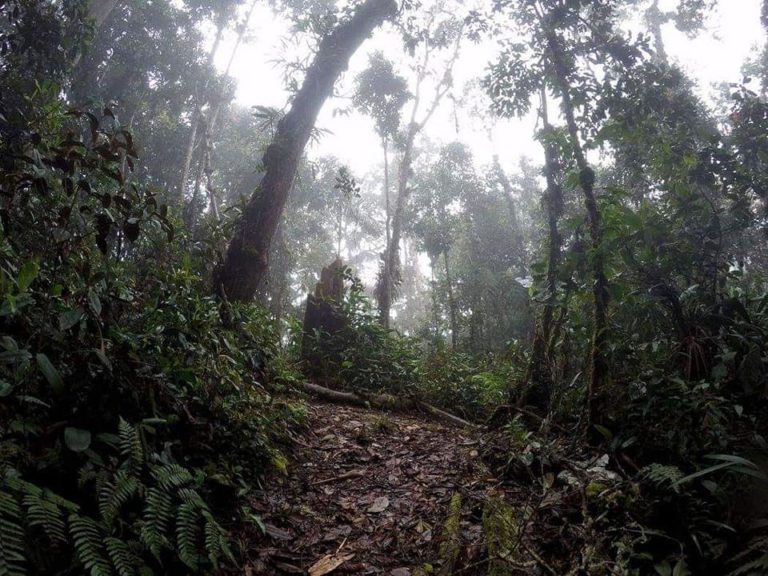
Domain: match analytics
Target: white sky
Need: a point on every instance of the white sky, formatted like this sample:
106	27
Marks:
715	56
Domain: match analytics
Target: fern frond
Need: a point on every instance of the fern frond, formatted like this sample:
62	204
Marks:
47	515
122	557
660	476
130	446
752	561
115	494
186	534
216	542
171	476
12	556
158	511
88	541
190	496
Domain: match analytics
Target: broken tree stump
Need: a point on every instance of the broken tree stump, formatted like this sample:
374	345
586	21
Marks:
323	313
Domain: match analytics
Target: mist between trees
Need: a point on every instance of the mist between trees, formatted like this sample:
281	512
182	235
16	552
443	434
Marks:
186	278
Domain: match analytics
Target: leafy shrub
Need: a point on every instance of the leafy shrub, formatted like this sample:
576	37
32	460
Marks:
106	318
471	385
364	356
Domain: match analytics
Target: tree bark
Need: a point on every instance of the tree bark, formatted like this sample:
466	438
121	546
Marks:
247	258
199	102
598	363
539	378
451	304
391	256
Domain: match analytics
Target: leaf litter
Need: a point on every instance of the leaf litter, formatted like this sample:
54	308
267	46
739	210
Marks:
368	493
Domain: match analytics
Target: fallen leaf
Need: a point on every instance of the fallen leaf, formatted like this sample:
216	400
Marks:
400	572
379	505
328	563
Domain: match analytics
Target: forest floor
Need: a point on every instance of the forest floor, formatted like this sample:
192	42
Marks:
370	493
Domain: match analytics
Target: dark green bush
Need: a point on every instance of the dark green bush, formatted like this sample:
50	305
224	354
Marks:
133	404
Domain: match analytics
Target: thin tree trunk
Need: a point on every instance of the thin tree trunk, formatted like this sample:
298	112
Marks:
385	146
598	363
199	101
655	18
98	12
391	256
512	209
247	257
451	304
539	376
214	117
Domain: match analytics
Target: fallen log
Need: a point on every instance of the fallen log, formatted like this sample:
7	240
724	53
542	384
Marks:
383	401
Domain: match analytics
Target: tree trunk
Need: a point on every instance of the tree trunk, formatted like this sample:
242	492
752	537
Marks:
539	378
199	102
598	364
385	146
512	209
248	254
655	18
451	304
391	256
98	12
210	126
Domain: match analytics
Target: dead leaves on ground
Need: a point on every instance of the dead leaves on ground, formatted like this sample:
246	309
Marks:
377	485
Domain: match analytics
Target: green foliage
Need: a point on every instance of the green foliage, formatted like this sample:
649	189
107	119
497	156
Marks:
171	519
106	320
468	384
364	356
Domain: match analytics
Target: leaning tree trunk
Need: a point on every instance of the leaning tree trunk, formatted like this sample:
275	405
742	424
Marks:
598	363
246	262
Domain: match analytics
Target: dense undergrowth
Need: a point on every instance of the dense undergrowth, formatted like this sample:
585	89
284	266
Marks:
135	416
138	410
673	480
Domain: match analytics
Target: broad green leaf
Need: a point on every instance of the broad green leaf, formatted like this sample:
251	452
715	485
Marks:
94	302
681	569
77	439
50	372
27	275
5	388
69	318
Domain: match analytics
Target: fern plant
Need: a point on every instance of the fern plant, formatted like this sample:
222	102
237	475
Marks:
118	540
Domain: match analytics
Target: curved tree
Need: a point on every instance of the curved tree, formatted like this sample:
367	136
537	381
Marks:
247	257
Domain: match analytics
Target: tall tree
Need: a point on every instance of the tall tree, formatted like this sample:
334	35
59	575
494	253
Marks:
438	32
381	93
247	257
569	37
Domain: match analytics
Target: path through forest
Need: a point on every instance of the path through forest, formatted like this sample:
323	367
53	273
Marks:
370	492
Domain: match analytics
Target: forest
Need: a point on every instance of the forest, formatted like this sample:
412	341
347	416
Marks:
397	287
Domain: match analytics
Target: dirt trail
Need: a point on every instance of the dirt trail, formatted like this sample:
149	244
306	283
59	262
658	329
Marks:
371	491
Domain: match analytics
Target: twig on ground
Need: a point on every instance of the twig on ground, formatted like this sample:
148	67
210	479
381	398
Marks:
339	478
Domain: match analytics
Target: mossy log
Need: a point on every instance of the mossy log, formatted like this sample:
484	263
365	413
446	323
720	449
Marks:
501	536
450	546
